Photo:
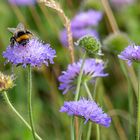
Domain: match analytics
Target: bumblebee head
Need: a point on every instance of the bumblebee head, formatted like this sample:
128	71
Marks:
20	28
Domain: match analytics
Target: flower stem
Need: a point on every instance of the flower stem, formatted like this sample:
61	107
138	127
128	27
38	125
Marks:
80	130
110	16
138	113
79	79
76	98
72	128
97	126
30	100
18	115
130	97
88	92
98	132
89	131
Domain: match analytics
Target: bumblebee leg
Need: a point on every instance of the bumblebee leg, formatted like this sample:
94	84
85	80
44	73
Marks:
12	40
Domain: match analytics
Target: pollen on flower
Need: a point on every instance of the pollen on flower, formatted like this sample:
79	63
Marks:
6	82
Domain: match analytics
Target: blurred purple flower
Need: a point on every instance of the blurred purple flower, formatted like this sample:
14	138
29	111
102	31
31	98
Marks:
121	3
86	19
77	33
22	2
92	68
34	53
82	25
131	53
87	109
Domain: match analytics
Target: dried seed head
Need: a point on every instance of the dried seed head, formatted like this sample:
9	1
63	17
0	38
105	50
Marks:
6	82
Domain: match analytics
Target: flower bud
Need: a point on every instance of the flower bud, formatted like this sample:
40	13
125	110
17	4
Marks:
91	45
115	43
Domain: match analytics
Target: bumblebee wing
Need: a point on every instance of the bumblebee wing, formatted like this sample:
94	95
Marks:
12	30
20	26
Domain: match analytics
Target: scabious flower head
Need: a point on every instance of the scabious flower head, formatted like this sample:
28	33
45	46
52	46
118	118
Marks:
34	53
22	2
92	69
130	54
6	82
82	24
86	19
87	109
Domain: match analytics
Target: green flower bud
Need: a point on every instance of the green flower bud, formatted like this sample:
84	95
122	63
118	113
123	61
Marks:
91	45
115	43
6	82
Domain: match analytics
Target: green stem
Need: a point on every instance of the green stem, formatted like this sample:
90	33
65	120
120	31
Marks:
80	130
138	113
18	115
30	100
98	132
89	131
88	92
77	95
130	97
72	128
90	96
79	79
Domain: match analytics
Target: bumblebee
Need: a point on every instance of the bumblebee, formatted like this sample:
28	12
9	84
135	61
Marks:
20	36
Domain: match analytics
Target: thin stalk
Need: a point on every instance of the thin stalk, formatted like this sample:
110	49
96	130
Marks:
66	22
95	87
76	98
97	126
79	79
18	114
98	132
138	112
88	92
89	131
72	128
110	16
30	100
130	97
80	130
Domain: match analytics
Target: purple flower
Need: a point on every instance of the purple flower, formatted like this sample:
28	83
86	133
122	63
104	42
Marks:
87	109
82	24
86	19
131	53
77	33
121	3
34	53
92	68
22	2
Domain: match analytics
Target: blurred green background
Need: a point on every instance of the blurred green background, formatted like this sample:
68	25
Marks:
112	91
